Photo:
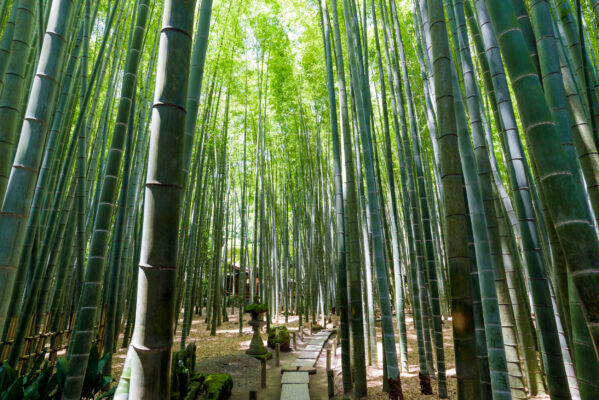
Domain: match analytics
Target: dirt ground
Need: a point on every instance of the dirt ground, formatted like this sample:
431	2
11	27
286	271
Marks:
225	353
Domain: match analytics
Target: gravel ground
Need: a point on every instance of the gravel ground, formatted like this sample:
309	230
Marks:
225	353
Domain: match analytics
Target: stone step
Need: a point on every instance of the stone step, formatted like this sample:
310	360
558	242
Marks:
295	377
312	347
289	368
309	354
304	362
294	391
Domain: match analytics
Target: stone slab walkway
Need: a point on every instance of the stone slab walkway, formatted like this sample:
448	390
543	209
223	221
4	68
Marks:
295	378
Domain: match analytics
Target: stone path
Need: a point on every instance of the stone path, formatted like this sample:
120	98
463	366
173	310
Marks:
295	379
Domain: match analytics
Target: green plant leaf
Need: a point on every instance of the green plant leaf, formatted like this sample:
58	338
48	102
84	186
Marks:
36	367
108	394
102	362
90	374
14	391
7	376
62	366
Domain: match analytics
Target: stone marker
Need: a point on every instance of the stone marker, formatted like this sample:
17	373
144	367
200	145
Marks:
278	355
331	383
263	373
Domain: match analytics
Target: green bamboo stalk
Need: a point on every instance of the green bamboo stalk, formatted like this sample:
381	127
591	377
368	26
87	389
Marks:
7	37
581	125
361	97
455	208
564	199
13	84
511	260
349	190
19	192
483	167
398	277
196	75
531	241
393	215
80	342
343	235
153	334
427	248
486	276
110	297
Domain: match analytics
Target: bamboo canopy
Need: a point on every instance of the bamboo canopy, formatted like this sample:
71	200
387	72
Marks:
420	175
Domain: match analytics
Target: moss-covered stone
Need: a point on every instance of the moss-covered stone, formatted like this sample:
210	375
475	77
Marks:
182	370
187	356
266	356
278	334
256	345
196	386
187	385
217	387
256	308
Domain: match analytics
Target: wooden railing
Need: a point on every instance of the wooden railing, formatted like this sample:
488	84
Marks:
46	342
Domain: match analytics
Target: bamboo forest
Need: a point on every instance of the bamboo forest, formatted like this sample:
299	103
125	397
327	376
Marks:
299	199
